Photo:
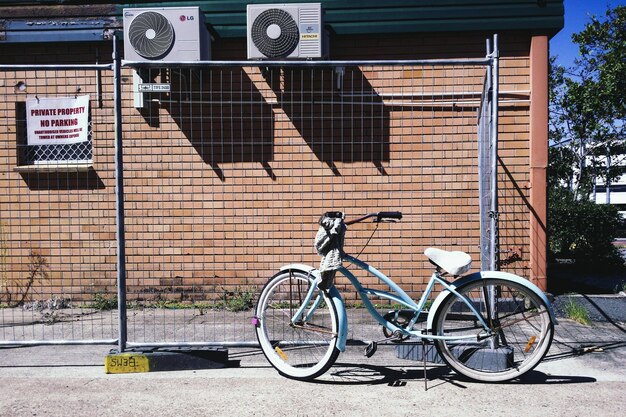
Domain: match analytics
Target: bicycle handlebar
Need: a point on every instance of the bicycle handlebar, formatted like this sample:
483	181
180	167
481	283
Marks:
381	216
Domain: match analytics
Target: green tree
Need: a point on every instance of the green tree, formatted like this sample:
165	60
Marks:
587	115
588	106
560	170
583	230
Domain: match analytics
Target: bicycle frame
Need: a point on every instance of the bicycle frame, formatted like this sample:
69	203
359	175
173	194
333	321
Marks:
397	296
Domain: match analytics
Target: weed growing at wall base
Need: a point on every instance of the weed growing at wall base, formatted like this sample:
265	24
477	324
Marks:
103	302
577	312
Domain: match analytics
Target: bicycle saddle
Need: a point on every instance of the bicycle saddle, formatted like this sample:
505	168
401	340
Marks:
454	263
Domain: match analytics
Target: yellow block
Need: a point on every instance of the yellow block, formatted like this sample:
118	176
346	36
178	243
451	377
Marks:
126	363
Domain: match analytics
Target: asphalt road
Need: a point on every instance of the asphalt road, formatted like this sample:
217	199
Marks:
70	381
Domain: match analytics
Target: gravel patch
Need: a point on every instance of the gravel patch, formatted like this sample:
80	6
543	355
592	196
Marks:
601	308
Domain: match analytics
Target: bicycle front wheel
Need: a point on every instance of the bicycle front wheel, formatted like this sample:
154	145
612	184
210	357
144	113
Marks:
520	324
301	347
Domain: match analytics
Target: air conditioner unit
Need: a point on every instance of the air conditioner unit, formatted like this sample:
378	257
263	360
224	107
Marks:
285	31
165	34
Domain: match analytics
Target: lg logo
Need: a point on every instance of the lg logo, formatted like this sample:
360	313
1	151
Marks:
184	18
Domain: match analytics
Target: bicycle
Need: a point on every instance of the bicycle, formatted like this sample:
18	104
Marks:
489	326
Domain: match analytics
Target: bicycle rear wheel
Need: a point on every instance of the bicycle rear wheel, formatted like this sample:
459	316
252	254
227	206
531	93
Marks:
520	321
303	349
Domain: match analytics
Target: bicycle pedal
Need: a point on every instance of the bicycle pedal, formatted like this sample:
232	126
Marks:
371	349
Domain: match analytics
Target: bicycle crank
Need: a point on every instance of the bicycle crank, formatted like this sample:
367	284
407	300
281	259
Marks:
399	318
372	347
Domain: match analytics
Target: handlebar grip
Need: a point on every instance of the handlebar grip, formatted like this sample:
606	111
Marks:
334	214
388	215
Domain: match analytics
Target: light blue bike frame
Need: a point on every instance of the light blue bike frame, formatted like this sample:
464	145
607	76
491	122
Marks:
400	297
397	295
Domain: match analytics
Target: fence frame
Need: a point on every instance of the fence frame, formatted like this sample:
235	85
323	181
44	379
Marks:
99	68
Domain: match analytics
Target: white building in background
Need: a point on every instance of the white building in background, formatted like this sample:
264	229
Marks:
615	194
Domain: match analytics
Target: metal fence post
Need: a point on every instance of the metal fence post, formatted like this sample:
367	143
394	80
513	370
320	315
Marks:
119	200
494	155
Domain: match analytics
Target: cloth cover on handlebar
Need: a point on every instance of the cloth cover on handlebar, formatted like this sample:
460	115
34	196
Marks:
329	243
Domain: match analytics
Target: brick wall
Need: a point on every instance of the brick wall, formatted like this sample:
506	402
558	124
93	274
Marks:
58	227
226	177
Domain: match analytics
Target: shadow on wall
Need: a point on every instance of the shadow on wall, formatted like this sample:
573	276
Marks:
338	114
228	120
66	181
223	115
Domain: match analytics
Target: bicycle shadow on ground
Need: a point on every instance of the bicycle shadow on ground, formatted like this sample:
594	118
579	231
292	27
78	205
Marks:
581	348
367	374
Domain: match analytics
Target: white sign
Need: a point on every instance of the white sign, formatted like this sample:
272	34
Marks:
153	88
57	121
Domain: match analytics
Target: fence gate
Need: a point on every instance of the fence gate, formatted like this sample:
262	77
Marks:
226	168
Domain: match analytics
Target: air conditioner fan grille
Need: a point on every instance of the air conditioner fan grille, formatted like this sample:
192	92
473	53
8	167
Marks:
151	35
286	41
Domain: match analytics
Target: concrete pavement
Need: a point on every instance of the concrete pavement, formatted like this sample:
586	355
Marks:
348	390
583	375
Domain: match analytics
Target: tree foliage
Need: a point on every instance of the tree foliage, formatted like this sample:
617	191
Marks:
587	127
583	230
588	105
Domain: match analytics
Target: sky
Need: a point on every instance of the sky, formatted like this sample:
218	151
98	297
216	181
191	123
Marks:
577	14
